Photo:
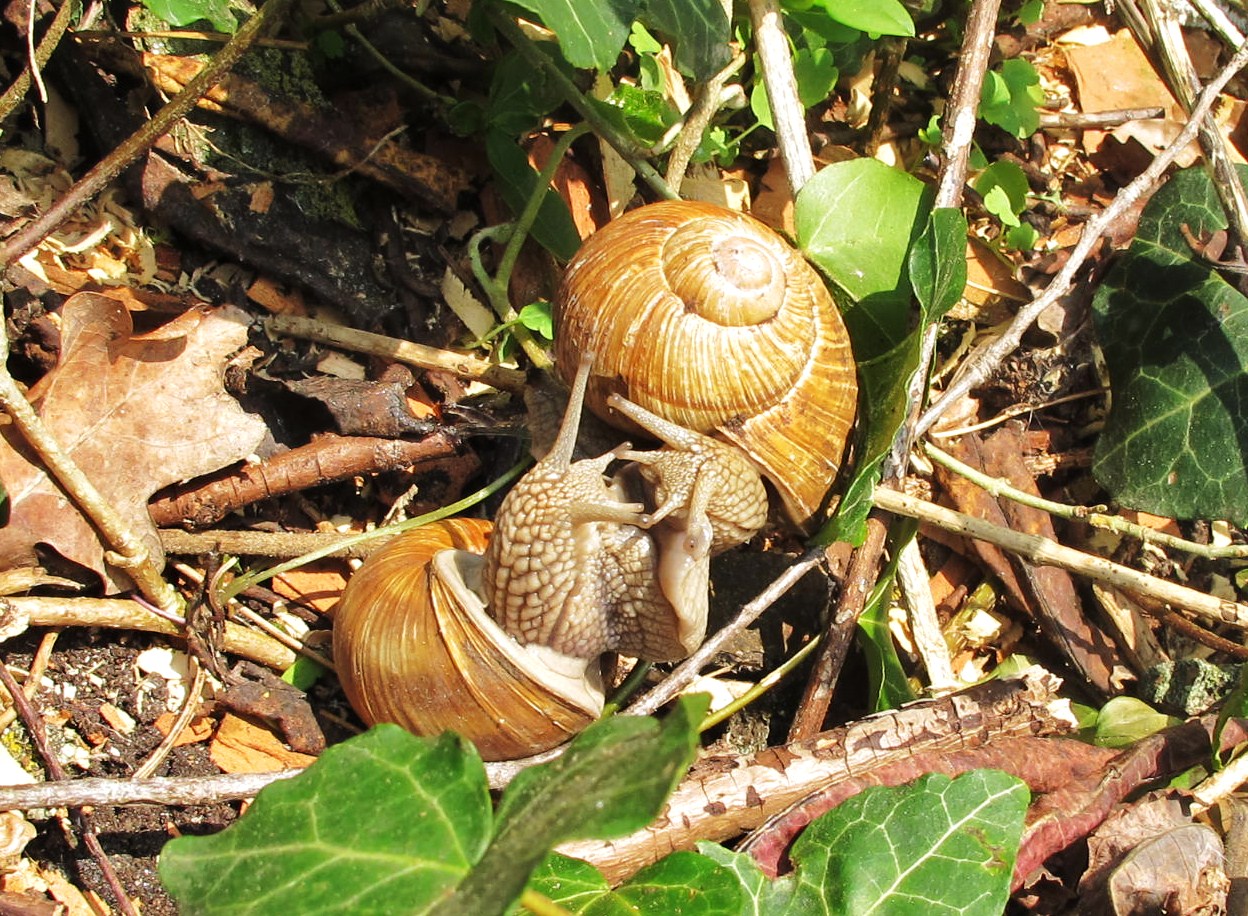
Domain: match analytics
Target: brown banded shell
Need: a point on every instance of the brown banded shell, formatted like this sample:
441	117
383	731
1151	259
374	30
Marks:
414	645
710	319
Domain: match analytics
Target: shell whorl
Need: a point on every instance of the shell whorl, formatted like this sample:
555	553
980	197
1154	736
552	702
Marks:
710	319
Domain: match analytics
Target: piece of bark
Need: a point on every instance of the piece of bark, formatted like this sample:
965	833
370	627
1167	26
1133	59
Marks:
725	796
364	408
1044	593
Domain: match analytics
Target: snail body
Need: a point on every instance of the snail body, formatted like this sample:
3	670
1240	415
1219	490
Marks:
709	319
496	631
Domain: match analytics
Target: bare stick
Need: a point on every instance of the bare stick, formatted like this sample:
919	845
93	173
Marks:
786	108
121	614
1045	552
463	365
985	362
171	790
687	672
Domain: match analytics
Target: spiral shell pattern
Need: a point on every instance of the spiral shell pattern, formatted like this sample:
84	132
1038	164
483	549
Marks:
710	319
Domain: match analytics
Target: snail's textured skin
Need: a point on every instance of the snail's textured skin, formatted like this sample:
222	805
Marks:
709	319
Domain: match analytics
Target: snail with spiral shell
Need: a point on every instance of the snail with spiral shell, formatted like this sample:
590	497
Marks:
500	642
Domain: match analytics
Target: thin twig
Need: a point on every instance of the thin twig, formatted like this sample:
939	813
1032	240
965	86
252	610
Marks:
981	366
190	706
696	120
122	614
20	86
999	487
463	365
34	727
170	790
687	671
108	168
787	114
1045	552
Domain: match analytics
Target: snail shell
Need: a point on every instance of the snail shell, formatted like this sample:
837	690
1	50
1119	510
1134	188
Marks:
711	320
414	645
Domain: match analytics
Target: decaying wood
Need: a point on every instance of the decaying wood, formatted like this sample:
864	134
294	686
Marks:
322	461
725	796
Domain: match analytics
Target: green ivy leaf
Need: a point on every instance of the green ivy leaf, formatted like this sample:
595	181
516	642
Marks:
1175	336
538	317
382	817
590	34
856	221
762	896
699	32
186	12
937	845
611	780
683	882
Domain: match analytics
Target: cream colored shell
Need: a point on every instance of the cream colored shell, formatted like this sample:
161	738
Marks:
710	319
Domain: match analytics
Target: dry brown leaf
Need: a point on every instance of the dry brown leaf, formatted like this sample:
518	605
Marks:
240	747
136	412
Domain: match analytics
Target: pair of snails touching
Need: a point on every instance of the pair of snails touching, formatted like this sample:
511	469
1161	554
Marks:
707	332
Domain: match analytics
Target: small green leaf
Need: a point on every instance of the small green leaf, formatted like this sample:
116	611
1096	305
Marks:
1125	720
877	17
1030	12
931	135
1007	182
1175	336
538	318
1022	237
382	817
186	12
303	673
642	41
683	882
590	34
888	686
699	32
997	202
645	113
938	263
1010	98
937	845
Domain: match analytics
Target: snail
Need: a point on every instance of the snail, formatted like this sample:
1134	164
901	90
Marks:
497	634
708	318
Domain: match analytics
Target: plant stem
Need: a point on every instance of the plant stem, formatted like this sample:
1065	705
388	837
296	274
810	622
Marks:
254	578
998	487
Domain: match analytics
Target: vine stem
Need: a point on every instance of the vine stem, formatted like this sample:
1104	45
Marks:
497	287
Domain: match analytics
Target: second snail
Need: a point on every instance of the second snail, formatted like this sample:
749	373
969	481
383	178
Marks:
707	331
